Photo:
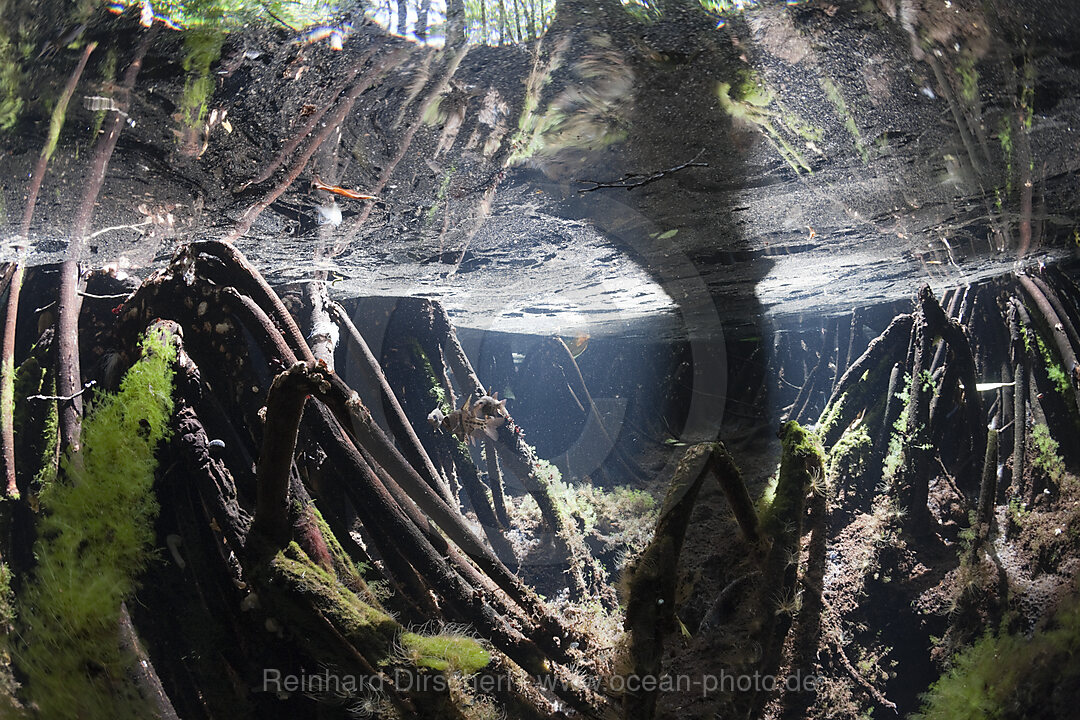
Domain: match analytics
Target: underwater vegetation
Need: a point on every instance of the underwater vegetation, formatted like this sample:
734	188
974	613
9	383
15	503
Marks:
446	651
1009	675
96	534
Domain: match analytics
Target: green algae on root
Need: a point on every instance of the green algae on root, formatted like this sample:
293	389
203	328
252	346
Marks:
1038	679
445	651
95	538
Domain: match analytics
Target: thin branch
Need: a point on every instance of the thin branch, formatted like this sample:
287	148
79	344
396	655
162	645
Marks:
842	658
633	180
136	226
63	398
117	296
273	15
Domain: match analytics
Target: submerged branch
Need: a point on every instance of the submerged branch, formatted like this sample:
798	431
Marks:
7	380
55	124
284	405
399	423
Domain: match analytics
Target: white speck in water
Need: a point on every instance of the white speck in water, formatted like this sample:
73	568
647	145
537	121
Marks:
329	214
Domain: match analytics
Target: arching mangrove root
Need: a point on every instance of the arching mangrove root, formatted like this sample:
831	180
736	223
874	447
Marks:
651	580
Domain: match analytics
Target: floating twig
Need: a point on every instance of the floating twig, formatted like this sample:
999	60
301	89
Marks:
633	180
113	228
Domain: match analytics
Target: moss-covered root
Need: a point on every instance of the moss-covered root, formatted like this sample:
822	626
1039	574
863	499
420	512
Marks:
851	461
987	493
330	622
811	605
337	629
1052	326
651	580
869	372
802	466
95	537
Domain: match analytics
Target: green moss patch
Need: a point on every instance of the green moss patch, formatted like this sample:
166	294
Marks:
831	415
9	704
1046	457
1009	676
295	585
446	651
95	537
849	457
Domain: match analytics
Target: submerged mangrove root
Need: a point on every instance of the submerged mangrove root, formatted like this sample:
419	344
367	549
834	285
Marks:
399	423
910	457
872	388
423	327
651	580
929	408
802	467
650	608
7	380
303	539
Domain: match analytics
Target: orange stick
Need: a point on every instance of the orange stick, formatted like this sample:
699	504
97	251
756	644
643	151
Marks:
345	192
